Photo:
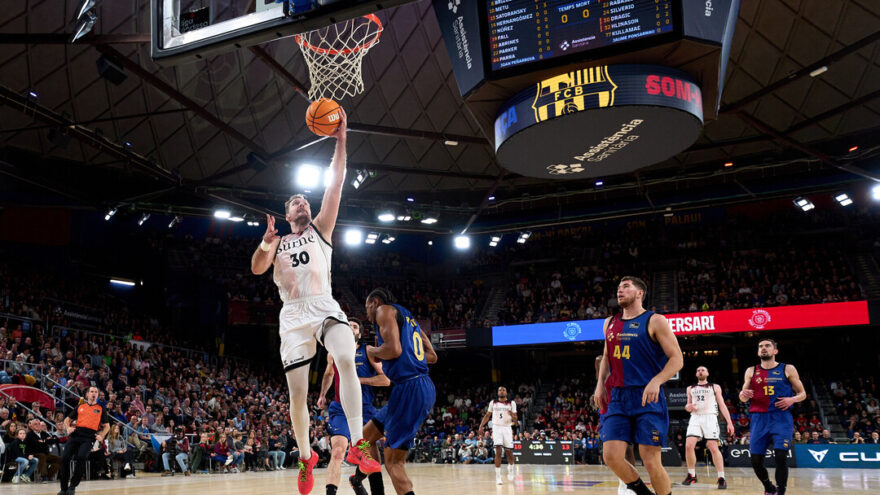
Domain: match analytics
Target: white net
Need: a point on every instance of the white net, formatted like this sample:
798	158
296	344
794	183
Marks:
334	55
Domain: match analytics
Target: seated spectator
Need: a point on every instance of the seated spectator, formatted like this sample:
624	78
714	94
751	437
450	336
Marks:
27	462
857	439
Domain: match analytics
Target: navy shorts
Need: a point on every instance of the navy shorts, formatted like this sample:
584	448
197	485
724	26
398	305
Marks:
338	424
770	428
410	404
629	421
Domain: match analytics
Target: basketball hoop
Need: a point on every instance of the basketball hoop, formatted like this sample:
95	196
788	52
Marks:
334	55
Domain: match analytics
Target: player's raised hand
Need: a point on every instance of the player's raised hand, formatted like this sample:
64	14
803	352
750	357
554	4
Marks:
271	232
340	131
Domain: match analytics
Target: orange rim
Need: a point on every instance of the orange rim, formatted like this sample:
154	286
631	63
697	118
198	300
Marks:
329	51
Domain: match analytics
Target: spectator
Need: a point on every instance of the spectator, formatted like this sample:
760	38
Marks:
27	463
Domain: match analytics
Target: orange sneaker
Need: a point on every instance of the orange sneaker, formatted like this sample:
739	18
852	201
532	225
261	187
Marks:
305	481
359	455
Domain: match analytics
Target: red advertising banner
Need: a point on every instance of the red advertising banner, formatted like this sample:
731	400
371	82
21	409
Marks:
775	318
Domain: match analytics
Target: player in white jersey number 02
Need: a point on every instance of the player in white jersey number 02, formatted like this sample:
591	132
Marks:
502	412
310	314
704	400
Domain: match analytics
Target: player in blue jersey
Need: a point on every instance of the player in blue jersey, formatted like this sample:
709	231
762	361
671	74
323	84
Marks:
771	389
405	352
641	354
370	374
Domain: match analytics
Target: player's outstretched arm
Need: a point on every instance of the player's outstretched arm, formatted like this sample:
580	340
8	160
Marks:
380	379
326	219
430	354
747	393
265	253
796	385
658	326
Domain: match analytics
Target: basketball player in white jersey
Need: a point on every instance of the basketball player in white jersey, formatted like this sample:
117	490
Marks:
704	400
502	412
310	314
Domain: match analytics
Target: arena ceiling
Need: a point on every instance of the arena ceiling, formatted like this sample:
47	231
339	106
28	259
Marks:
186	137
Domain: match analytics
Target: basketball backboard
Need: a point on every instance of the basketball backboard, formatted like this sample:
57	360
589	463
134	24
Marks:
188	30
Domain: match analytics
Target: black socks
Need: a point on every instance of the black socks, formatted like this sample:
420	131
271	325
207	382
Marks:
331	489
639	487
377	486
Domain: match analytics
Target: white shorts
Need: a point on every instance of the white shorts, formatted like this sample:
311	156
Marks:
502	436
704	426
301	325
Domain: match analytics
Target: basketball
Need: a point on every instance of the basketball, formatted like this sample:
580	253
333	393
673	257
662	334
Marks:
323	116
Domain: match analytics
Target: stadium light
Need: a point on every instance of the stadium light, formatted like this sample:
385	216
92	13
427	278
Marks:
386	216
494	240
174	221
803	203
388	239
359	179
462	242
600	183
523	237
84	26
429	220
122	282
308	176
222	214
843	199
110	214
328	177
371	238
143	219
353	237
875	192
236	219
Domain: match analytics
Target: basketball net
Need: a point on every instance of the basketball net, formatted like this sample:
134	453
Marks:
334	55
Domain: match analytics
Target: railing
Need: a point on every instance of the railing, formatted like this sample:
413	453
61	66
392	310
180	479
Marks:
23	319
142	344
7	365
26	408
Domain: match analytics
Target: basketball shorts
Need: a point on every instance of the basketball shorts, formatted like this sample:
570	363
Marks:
704	426
301	324
410	404
770	430
629	421
502	436
338	424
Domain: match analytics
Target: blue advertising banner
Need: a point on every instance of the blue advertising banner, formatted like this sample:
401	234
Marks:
838	456
548	333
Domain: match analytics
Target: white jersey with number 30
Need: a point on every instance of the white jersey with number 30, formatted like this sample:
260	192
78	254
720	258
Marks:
302	265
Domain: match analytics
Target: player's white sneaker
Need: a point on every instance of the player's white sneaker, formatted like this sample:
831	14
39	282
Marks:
510	473
498	479
623	490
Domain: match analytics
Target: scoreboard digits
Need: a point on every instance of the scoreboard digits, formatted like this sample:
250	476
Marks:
525	31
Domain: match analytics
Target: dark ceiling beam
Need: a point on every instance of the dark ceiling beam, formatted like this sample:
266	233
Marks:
858	102
794	76
98	121
279	69
483	204
184	100
88	136
421	171
64	39
767	129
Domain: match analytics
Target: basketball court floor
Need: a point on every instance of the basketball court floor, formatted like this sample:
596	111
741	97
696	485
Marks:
432	479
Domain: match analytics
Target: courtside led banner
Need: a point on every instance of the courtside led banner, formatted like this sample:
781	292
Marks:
738	320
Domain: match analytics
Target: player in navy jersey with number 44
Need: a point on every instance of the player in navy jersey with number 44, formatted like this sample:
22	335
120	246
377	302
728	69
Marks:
772	388
641	354
405	352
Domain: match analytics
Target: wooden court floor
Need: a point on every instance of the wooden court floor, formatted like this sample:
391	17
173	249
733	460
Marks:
431	479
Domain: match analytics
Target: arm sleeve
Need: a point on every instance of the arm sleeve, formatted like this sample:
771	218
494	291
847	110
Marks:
104	417
73	414
512	406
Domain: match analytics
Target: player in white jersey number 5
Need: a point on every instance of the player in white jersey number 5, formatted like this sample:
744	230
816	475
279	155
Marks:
502	412
704	400
310	314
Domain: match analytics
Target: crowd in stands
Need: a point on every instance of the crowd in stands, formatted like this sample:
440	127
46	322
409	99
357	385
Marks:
858	406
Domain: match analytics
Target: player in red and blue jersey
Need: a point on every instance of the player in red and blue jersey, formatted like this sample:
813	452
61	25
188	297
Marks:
405	352
642	354
771	388
370	374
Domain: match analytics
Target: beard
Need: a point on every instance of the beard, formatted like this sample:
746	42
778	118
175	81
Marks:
766	357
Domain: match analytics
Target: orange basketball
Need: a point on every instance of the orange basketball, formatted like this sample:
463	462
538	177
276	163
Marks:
323	117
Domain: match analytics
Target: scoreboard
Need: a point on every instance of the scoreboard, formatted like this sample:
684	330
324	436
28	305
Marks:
544	452
522	32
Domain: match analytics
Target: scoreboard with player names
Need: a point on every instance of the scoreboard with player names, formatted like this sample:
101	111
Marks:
527	31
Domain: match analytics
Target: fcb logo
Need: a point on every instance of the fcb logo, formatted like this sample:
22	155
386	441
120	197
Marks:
759	380
573	92
760	318
655	436
634	324
562	169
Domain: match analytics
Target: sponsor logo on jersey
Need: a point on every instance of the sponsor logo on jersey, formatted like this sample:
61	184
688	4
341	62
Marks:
634	324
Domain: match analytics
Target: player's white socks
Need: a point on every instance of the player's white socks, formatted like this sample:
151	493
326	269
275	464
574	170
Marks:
298	388
692	472
339	342
498	472
720	474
